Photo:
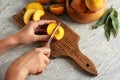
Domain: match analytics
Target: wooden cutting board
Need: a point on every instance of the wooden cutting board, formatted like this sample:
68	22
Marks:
68	46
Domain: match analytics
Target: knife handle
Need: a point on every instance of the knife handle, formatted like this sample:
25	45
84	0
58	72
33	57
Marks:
83	61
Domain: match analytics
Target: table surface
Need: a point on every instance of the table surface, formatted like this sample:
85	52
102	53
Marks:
93	43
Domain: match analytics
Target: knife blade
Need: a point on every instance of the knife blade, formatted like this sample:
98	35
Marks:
53	33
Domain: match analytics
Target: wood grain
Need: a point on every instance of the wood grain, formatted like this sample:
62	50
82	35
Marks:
68	46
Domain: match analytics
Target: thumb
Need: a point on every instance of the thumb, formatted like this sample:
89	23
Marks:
46	51
41	37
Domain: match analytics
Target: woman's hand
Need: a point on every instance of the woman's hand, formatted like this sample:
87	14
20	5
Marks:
27	34
32	62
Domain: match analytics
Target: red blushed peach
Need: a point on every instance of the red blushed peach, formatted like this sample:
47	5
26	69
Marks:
44	1
60	1
79	5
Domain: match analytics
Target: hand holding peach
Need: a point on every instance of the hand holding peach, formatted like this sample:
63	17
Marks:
30	29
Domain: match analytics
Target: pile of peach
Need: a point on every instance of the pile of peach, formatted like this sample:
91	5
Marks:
83	5
34	12
84	11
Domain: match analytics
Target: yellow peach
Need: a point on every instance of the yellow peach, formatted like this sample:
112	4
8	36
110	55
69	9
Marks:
34	5
28	14
95	5
59	33
38	14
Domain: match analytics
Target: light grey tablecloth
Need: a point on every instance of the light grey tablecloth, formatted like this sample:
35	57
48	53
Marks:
93	43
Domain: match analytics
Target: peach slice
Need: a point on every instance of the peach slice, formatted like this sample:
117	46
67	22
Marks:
59	33
28	14
38	14
34	5
57	9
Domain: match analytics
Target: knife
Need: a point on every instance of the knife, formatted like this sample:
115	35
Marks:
53	33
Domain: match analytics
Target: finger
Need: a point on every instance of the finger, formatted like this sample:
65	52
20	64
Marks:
46	51
46	60
40	30
43	22
41	37
47	54
42	67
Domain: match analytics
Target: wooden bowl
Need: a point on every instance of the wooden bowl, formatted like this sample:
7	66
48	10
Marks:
84	17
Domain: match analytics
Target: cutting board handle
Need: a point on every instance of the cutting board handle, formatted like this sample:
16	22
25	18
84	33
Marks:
83	61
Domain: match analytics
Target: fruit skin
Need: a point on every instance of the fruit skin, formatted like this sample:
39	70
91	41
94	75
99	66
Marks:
27	16
44	1
79	5
57	9
34	5
38	14
60	1
95	5
59	33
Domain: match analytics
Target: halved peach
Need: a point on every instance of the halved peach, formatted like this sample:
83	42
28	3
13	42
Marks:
59	33
28	14
34	5
57	9
38	14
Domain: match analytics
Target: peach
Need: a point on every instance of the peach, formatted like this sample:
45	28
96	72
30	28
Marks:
28	14
95	5
44	1
57	9
38	14
60	1
79	5
59	33
34	5
87	16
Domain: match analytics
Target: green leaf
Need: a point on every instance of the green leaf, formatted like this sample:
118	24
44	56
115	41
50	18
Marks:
110	21
107	28
115	22
102	20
